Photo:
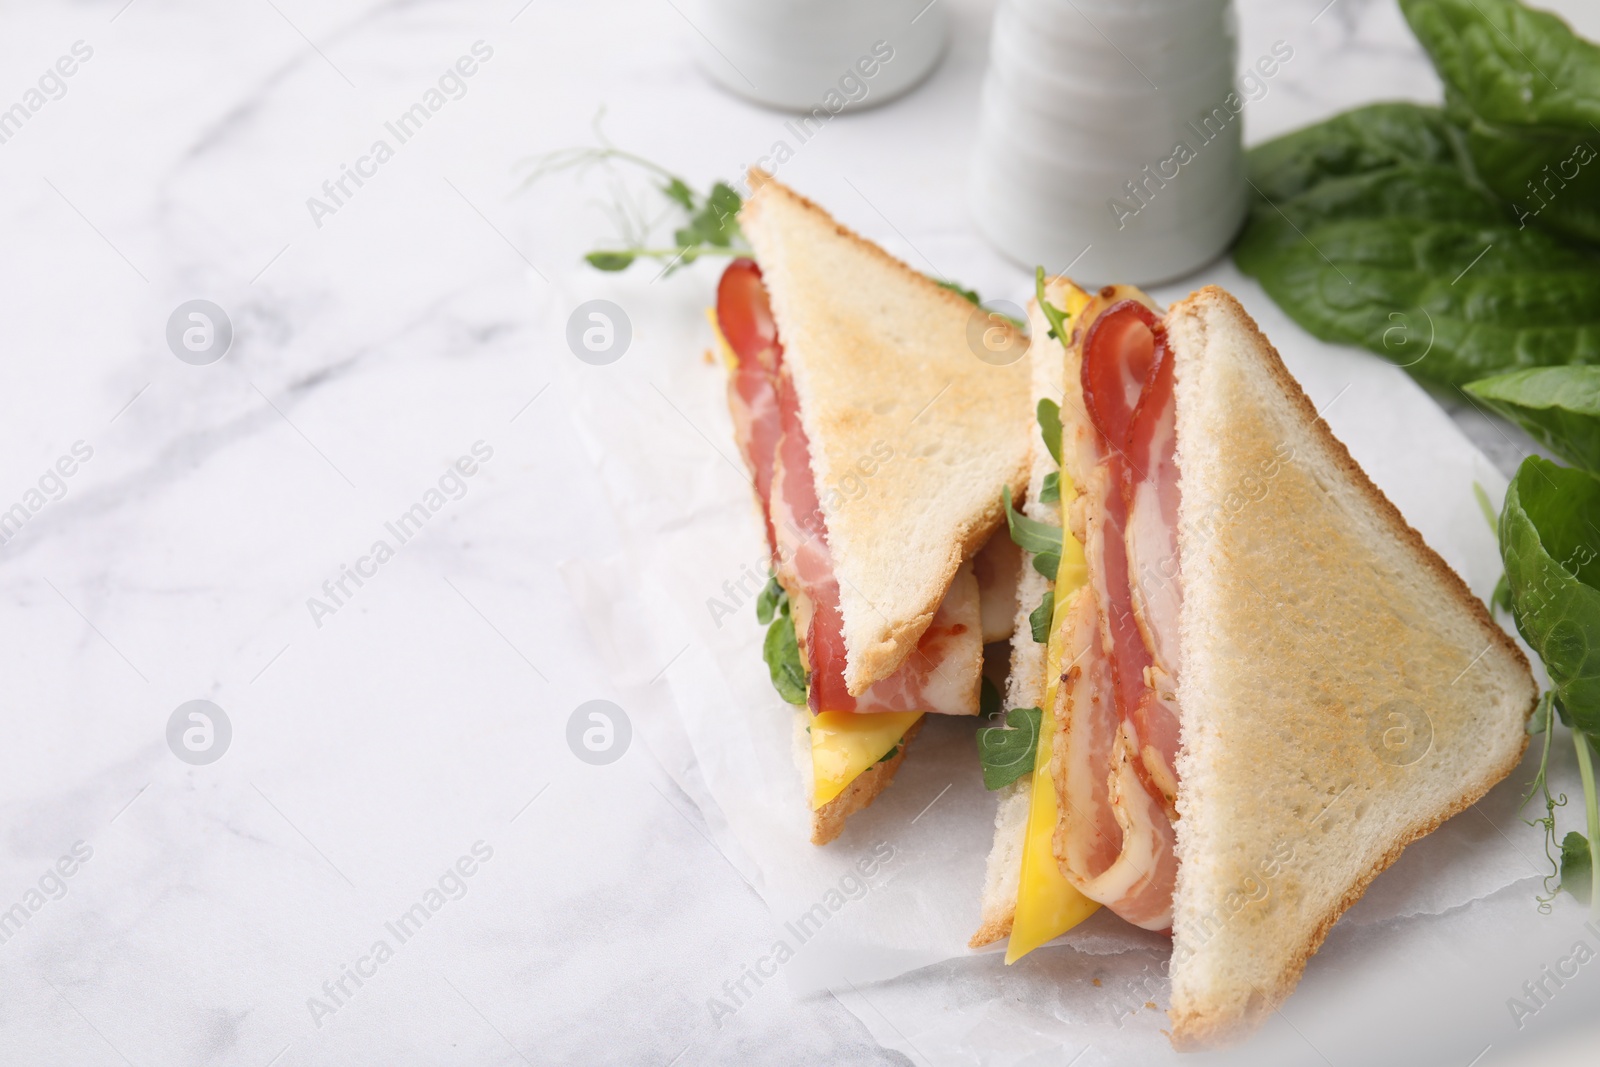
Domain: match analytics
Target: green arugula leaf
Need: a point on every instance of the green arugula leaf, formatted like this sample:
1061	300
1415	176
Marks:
1370	229
1576	865
1008	752
771	600
1053	315
970	295
1049	415
1558	406
988	698
894	751
1050	488
1039	618
1526	91
1031	535
782	653
1552	557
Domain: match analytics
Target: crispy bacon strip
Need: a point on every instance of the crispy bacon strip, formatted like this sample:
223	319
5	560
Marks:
745	319
1116	753
941	674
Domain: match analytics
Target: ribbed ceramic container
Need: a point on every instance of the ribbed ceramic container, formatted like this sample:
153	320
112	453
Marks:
800	55
1109	137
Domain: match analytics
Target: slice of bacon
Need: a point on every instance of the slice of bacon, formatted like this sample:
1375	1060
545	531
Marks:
1088	839
745	318
1114	840
1116	751
942	673
1155	591
1136	431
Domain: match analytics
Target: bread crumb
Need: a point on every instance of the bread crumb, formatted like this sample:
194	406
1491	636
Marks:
1150	1004
1096	982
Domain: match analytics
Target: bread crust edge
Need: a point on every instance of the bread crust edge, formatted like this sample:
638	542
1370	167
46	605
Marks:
827	822
865	666
1211	1030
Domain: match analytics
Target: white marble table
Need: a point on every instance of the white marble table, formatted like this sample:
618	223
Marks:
397	771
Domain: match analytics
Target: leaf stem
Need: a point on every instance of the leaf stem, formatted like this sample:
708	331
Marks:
1592	811
673	253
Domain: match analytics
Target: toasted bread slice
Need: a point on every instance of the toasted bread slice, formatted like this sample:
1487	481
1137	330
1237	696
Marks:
827	822
1342	692
882	367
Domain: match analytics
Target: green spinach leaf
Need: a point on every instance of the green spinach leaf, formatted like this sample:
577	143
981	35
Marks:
1558	406
1369	229
1551	550
1526	91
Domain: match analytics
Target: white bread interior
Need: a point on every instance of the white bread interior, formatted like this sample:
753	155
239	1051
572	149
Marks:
1311	612
880	359
1026	684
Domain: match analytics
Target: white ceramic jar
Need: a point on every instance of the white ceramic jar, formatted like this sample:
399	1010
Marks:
1109	137
800	55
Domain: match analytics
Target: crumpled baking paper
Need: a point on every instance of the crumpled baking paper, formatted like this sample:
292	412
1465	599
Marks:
899	891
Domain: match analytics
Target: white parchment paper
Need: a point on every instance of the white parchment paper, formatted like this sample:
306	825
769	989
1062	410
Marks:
899	891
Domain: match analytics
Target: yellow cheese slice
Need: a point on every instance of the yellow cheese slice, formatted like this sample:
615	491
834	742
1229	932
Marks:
843	744
1047	905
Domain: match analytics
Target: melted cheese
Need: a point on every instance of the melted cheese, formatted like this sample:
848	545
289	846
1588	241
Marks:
844	743
1047	905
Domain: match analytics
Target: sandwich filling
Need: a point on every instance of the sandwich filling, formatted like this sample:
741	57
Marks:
1116	747
941	674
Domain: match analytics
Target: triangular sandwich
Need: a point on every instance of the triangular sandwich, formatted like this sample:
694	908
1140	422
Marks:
878	437
1259	684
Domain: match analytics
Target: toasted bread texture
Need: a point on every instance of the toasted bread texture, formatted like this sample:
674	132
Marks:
827	822
1024	689
1342	692
1025	685
912	434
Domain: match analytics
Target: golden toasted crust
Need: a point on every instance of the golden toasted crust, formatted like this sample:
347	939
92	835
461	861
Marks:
1198	1031
1213	296
1321	639
993	930
911	434
827	822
